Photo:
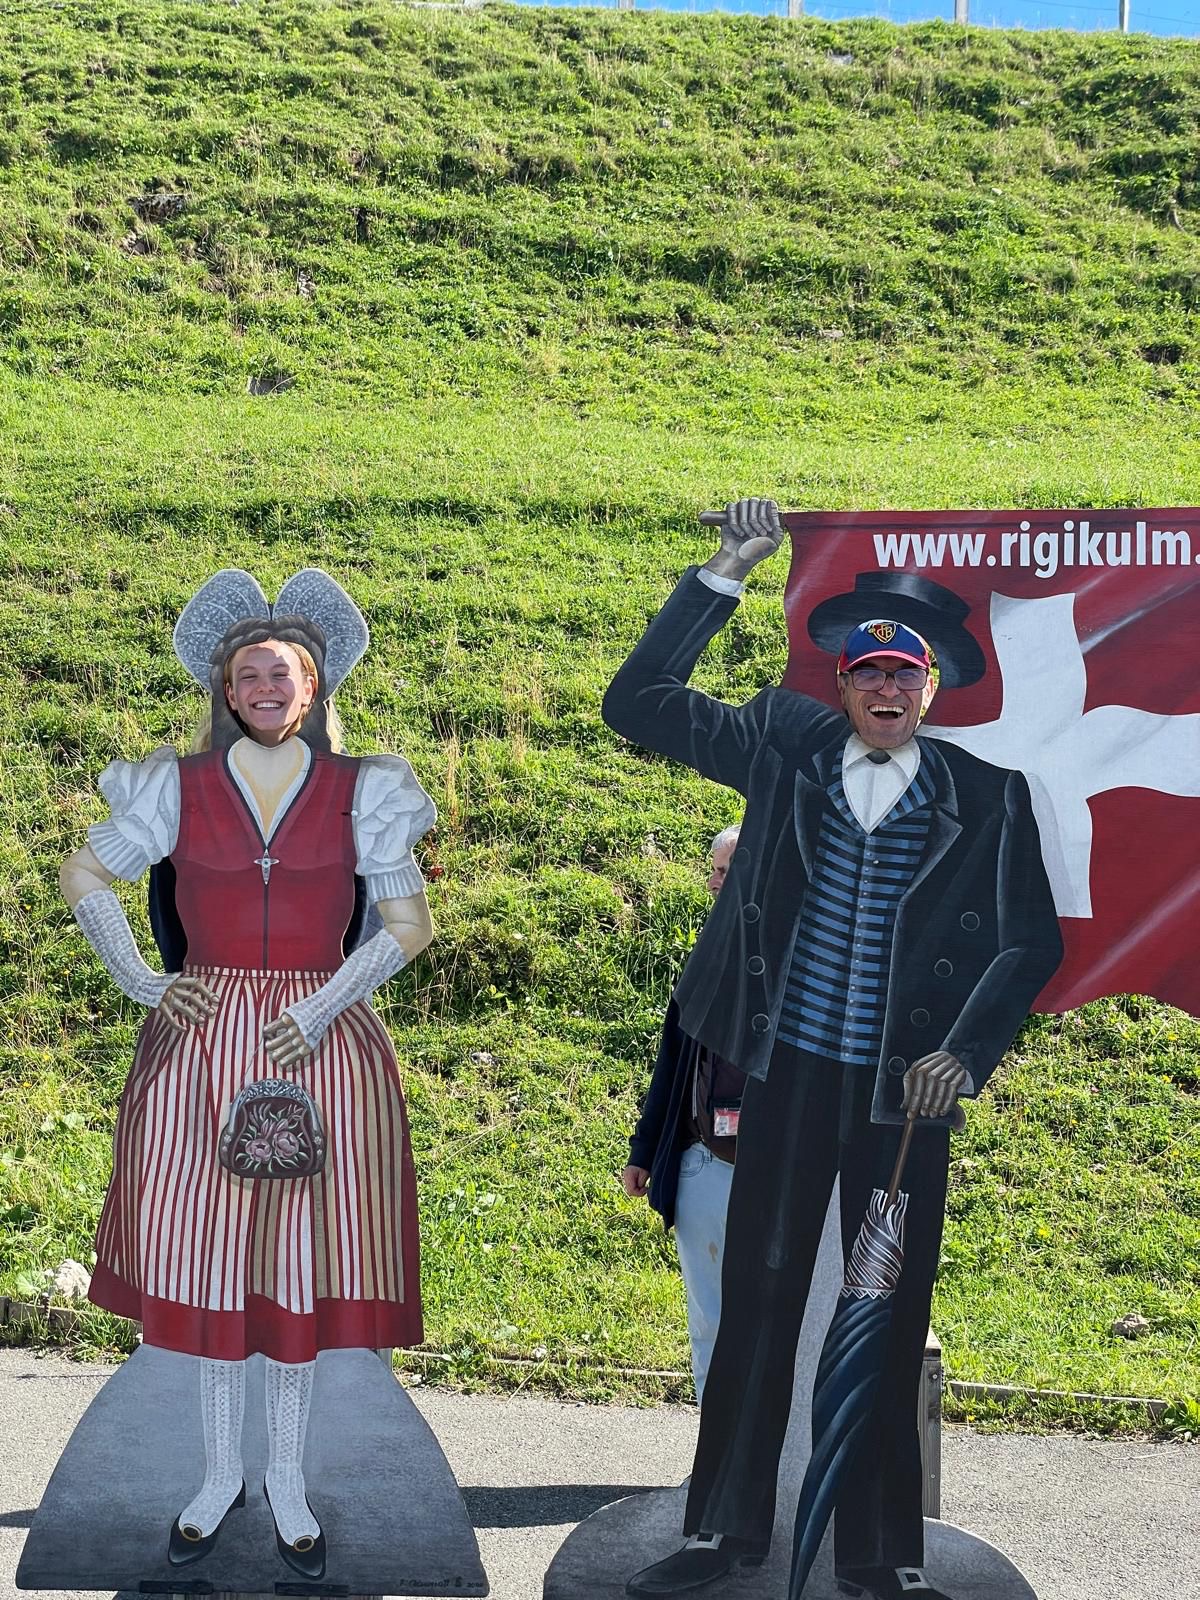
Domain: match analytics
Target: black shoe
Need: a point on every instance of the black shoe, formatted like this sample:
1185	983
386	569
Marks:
888	1583
693	1567
184	1548
306	1556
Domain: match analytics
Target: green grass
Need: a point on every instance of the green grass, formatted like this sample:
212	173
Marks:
602	253
656	215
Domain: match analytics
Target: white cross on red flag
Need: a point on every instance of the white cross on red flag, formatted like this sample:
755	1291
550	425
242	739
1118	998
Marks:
1089	624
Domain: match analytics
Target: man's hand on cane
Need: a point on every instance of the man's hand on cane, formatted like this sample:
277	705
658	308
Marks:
932	1087
751	531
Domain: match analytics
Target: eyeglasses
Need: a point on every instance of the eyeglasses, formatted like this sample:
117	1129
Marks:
876	677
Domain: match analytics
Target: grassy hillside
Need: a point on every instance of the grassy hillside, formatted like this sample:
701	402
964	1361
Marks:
548	283
661	214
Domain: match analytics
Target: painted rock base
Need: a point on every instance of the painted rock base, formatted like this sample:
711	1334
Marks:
393	1517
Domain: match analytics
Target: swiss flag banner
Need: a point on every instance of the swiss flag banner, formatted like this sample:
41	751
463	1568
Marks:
1068	646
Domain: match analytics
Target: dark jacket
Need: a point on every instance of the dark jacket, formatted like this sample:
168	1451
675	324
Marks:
656	1144
976	935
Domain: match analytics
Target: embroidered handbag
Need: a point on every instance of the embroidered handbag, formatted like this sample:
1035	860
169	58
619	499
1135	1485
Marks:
274	1131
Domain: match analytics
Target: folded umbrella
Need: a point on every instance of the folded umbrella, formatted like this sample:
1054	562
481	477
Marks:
852	1358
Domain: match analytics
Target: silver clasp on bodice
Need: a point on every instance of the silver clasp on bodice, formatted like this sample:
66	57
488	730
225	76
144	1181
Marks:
266	862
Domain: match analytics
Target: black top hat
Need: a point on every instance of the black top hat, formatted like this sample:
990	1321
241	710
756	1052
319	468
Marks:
936	613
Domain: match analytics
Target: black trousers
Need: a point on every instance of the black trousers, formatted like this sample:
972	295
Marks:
807	1122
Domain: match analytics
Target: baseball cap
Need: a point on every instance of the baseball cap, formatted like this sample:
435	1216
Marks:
884	638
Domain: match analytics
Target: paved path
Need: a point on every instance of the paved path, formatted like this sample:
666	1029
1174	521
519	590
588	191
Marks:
1084	1519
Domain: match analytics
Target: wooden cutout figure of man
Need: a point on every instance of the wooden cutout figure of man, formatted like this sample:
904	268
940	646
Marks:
886	924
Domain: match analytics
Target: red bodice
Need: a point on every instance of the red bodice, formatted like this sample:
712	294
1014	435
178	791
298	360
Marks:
294	921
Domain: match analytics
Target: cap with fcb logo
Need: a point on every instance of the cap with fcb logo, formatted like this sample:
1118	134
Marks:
884	638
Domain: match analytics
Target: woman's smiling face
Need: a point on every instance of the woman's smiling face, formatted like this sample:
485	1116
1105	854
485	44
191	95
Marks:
269	690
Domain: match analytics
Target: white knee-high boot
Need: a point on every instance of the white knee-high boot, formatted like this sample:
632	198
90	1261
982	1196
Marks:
222	1403
289	1395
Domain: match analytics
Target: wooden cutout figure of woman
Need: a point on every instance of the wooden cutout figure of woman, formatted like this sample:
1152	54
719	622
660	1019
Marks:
283	1222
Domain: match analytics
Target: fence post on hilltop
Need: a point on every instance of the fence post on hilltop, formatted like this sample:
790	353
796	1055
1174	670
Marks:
1123	15
795	9
624	5
960	11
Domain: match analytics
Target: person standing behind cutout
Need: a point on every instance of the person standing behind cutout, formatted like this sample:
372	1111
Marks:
682	1150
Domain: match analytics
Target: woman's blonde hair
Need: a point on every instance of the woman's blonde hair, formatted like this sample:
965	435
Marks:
319	725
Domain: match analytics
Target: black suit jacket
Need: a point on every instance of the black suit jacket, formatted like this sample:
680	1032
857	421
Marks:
655	1144
976	934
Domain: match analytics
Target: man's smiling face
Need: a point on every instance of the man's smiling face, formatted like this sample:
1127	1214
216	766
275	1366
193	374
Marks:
886	717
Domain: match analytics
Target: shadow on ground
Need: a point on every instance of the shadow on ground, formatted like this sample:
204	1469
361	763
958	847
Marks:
542	1505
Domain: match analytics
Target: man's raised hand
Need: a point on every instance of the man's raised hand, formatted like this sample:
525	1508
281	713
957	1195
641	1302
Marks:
750	531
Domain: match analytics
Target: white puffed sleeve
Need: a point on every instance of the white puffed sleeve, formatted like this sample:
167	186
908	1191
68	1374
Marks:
391	812
143	797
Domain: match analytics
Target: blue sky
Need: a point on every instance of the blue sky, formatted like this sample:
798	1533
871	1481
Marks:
1157	16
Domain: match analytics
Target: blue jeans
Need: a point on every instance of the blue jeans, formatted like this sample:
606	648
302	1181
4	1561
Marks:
700	1207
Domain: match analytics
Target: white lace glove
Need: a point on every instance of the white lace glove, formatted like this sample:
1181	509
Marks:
106	929
359	975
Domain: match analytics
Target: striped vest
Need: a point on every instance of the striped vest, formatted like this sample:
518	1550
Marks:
836	993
